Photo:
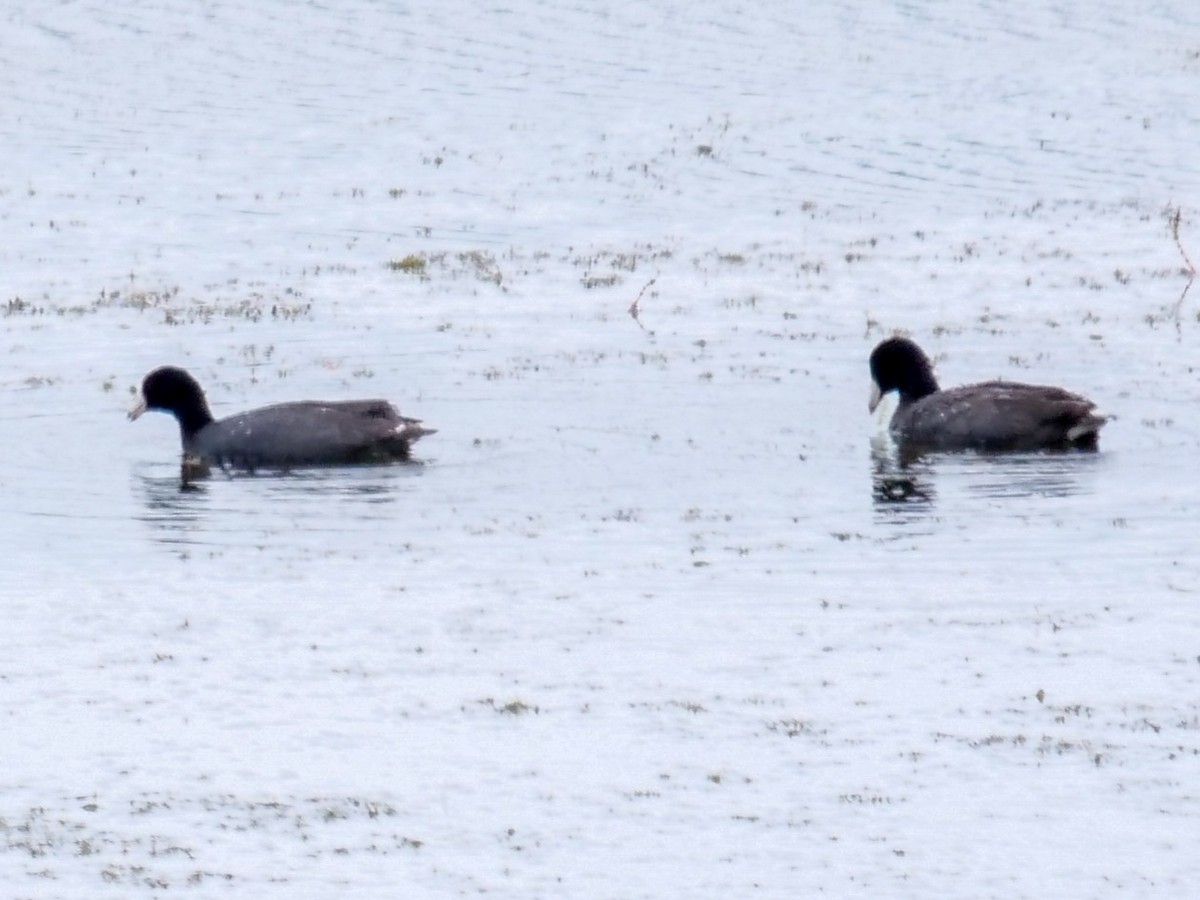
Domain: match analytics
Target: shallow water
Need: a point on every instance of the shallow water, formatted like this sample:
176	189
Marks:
653	600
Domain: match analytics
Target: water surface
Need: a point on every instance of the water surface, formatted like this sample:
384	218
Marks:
650	601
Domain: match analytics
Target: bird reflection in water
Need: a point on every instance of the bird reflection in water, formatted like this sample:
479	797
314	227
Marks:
182	511
905	486
174	511
901	487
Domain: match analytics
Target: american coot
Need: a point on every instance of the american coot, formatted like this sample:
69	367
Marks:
995	415
286	435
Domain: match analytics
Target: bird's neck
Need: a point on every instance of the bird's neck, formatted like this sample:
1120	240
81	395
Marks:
193	420
921	385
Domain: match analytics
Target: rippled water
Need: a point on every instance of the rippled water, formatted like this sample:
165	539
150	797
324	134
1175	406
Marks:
655	599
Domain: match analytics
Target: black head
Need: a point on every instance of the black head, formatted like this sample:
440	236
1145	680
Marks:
898	364
173	390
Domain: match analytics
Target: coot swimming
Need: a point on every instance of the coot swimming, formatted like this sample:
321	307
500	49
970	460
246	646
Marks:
992	416
283	436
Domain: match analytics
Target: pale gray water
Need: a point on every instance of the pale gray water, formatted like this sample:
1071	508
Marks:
759	654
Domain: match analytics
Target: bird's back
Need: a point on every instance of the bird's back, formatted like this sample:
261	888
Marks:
309	432
998	415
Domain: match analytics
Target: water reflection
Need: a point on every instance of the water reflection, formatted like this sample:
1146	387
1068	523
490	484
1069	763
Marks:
906	488
174	511
1046	474
228	507
903	490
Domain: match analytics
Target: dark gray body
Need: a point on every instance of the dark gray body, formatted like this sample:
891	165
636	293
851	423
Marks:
306	433
997	416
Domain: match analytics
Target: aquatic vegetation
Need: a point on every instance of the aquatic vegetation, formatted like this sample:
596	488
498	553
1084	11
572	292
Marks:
413	264
175	309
